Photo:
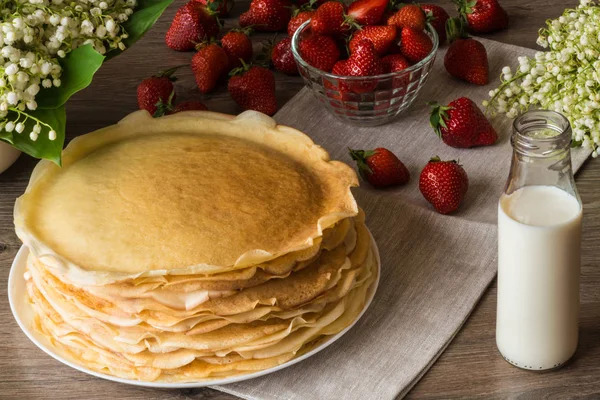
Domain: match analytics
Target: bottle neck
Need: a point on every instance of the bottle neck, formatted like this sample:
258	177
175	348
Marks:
541	142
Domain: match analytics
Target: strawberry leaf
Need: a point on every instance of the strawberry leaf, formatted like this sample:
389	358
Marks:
438	117
361	156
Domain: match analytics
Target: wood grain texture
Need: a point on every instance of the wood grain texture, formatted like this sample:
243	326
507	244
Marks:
471	366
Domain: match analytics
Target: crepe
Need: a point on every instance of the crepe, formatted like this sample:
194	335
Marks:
252	352
182	195
192	247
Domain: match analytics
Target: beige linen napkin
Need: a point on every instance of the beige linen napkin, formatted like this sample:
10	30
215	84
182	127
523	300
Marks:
434	267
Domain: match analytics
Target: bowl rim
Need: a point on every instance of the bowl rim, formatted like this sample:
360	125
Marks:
414	67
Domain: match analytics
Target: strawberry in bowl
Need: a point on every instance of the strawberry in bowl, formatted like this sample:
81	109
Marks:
365	63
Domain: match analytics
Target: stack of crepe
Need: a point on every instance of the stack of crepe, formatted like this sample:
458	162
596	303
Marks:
192	247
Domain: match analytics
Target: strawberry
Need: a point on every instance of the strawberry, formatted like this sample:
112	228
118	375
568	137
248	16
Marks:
209	64
394	63
443	184
437	17
466	57
483	16
298	20
340	68
380	167
282	57
167	108
190	105
415	45
320	51
267	15
462	124
364	61
382	38
155	90
192	23
253	88
367	12
410	16
330	19
219	7
237	45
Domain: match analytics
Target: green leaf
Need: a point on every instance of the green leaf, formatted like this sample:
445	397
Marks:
79	67
145	15
43	147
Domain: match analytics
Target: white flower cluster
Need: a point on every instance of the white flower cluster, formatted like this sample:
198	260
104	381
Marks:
34	34
566	78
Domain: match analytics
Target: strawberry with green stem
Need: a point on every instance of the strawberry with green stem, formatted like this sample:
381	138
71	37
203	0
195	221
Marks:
380	167
443	184
466	57
462	124
237	45
482	16
156	89
191	24
209	65
253	88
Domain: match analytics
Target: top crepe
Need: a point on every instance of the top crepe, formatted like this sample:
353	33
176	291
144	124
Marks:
191	193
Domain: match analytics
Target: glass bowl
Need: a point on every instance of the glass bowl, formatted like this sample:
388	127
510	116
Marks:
368	101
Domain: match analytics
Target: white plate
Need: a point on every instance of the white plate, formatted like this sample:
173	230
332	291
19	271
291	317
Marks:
23	313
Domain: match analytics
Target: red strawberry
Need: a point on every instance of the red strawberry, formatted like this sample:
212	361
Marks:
220	7
282	57
253	88
237	45
192	23
483	15
330	19
443	184
394	63
190	105
298	20
156	90
209	64
466	57
462	124
380	167
267	15
320	51
415	45
382	38
437	17
364	61
341	69
410	16
367	12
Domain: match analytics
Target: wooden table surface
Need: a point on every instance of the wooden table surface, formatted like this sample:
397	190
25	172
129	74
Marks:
471	366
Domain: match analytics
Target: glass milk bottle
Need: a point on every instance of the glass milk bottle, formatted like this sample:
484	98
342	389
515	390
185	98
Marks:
539	244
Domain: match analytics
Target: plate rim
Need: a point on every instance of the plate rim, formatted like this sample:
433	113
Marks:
13	299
